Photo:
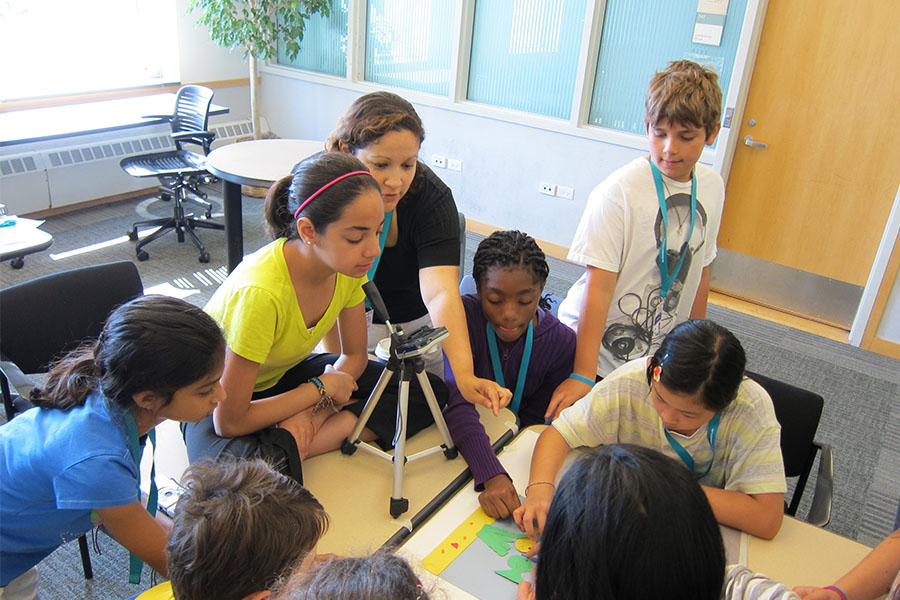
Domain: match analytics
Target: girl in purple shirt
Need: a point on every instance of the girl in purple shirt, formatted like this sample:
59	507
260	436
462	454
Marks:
516	343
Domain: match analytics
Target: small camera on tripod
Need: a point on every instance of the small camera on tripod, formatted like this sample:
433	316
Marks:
418	342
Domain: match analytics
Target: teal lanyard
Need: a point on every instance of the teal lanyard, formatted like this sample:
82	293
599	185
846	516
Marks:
136	565
523	367
381	243
668	277
712	429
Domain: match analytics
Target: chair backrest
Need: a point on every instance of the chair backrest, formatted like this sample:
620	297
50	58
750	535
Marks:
462	244
798	411
192	112
48	316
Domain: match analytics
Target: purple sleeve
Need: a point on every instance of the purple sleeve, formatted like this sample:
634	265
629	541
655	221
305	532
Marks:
462	417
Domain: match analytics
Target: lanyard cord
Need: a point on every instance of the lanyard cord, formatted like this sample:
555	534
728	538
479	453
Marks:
712	429
136	564
523	367
382	240
662	261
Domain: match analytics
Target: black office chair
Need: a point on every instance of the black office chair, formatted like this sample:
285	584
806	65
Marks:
798	411
43	318
179	171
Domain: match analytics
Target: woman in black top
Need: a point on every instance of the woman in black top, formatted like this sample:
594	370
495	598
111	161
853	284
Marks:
418	272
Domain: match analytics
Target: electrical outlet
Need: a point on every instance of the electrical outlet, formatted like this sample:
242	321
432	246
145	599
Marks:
454	164
547	188
438	161
565	192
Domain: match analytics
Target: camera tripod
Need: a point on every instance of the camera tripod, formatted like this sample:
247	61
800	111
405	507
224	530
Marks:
406	357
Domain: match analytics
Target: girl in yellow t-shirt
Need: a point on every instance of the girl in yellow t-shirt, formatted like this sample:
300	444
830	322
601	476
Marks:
283	401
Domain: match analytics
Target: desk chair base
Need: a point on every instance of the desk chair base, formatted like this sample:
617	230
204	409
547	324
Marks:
180	222
406	366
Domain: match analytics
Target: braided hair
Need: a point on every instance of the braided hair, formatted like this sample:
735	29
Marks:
509	250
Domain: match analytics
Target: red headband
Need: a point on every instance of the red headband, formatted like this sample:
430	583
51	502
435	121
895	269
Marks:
328	185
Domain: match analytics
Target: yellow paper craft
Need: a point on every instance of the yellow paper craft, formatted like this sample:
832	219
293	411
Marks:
456	542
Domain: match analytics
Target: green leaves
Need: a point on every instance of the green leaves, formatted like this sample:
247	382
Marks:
258	26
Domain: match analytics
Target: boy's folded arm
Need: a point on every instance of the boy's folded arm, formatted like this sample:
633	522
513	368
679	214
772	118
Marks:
757	514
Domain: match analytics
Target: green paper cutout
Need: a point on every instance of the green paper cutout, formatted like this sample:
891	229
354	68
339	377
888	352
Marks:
518	565
498	540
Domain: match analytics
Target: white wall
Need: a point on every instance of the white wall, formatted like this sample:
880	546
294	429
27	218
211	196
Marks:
503	163
201	60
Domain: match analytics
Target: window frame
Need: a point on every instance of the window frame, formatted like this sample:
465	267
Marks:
577	124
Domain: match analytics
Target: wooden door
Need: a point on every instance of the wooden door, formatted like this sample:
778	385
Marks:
824	99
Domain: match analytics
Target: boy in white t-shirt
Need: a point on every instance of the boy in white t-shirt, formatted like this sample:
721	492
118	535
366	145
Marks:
647	235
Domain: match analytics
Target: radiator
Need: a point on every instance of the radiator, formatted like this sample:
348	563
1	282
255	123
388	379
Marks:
62	176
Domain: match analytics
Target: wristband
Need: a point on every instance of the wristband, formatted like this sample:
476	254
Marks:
836	590
324	398
582	379
542	483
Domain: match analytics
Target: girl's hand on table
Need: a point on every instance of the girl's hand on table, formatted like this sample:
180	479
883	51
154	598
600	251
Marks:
535	507
499	498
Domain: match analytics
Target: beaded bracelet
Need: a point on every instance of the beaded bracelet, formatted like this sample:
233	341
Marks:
837	590
538	483
582	379
324	398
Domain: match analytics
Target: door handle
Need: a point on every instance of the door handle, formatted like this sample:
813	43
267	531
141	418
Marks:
749	141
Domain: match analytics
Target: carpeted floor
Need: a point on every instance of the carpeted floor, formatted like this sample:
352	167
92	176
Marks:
862	390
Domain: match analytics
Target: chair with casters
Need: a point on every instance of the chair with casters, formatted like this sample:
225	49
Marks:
45	317
798	411
180	171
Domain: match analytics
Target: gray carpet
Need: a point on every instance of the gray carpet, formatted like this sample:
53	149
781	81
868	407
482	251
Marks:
862	390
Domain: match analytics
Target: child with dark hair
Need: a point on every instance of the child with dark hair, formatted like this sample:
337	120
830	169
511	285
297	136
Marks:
629	523
381	576
283	399
691	401
516	343
240	528
72	462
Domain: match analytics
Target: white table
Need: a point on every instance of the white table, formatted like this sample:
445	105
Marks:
21	239
257	163
801	554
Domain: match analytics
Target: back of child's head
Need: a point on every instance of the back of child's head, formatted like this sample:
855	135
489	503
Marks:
684	93
629	523
510	250
370	117
239	527
381	576
287	194
152	343
701	356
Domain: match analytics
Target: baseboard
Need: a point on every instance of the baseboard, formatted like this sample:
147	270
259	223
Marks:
549	248
50	212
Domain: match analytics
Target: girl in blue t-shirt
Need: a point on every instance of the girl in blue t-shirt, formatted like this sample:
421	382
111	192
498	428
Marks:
73	460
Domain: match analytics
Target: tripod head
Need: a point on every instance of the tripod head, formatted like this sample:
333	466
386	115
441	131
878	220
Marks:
403	345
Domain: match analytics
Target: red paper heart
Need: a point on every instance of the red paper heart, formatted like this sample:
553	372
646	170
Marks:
454	544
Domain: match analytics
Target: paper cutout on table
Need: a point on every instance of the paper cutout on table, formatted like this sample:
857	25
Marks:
498	539
518	566
476	557
456	542
524	544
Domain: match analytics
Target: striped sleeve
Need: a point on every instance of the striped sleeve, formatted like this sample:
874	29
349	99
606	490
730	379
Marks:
743	584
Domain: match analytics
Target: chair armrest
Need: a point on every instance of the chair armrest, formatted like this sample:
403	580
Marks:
17	379
158	117
820	511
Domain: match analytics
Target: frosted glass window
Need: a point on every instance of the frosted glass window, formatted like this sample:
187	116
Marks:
409	44
638	41
525	54
324	45
60	47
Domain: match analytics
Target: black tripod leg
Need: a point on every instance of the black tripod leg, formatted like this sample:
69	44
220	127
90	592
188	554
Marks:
349	445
